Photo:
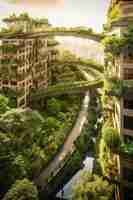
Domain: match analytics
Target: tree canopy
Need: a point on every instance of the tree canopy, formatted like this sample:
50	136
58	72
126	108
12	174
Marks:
92	187
22	190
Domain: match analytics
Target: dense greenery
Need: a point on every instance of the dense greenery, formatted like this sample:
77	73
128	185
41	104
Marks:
22	189
127	148
29	139
93	187
113	87
83	144
117	44
69	58
111	138
79	31
4	104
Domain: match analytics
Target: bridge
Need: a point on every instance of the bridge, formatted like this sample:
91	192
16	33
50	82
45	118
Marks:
68	88
54	32
60	159
93	79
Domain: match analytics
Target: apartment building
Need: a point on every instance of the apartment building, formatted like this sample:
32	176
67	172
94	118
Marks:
25	60
124	108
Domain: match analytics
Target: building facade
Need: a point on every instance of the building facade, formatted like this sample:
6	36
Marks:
24	65
123	68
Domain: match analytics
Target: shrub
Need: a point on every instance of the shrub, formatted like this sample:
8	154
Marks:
92	187
53	106
22	190
111	138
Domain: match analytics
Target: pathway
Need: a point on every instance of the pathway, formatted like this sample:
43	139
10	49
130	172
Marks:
68	146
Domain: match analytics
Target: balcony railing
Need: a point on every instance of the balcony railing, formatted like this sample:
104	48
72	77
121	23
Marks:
128	132
128	112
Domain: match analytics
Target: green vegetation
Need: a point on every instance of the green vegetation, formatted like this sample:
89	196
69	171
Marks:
79	31
66	88
115	44
127	149
93	187
4	104
22	189
111	138
84	143
68	58
29	140
114	14
113	87
52	43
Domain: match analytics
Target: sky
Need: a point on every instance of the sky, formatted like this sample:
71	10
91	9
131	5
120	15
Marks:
90	13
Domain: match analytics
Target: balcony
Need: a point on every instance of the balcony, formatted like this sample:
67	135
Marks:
128	73
128	112
128	132
126	8
128	104
128	65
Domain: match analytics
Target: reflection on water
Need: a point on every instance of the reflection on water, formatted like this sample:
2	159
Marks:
82	47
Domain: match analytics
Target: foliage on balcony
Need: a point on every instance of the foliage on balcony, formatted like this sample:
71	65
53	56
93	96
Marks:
9	48
127	149
114	13
111	138
108	149
116	45
113	44
113	87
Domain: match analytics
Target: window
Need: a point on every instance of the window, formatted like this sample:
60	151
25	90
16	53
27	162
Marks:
13	82
128	73
128	104
128	122
128	174
128	193
5	82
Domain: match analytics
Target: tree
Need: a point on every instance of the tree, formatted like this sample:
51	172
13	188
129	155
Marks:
92	187
3	104
21	121
53	107
20	129
22	190
113	44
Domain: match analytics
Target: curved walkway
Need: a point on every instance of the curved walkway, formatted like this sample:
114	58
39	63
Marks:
93	79
68	146
49	33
